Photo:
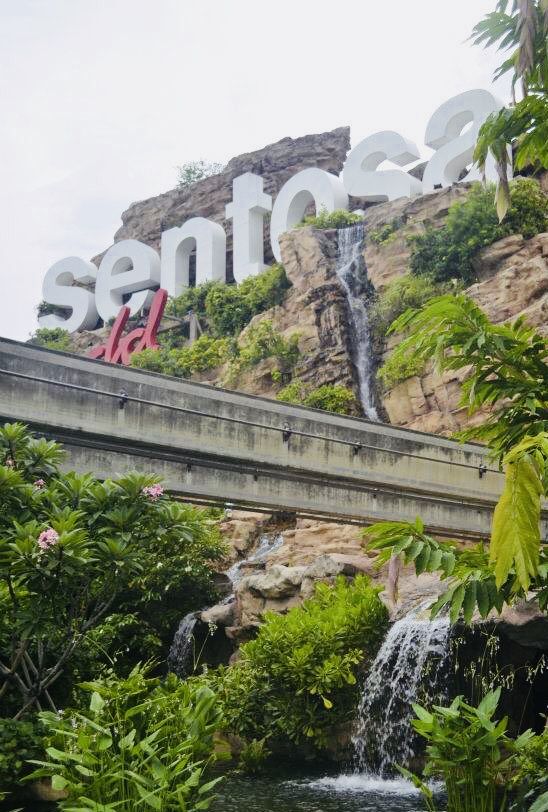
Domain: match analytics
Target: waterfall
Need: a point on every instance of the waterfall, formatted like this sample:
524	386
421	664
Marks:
349	265
412	666
180	659
268	543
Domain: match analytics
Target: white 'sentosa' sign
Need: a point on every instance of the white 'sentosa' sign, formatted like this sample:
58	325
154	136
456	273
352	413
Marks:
132	269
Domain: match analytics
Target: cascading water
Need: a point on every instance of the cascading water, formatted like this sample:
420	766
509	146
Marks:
268	543
350	267
412	666
181	654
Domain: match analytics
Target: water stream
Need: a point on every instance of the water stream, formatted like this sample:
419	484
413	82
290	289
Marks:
352	275
412	665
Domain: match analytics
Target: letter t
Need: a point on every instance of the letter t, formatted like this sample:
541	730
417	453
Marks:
247	210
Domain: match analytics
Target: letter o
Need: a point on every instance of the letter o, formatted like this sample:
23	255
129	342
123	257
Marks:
313	185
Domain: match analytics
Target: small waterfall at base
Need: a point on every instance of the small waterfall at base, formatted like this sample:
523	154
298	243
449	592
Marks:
181	654
350	265
268	543
412	666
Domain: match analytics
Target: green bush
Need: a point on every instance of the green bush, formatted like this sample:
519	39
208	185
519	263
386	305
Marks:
329	397
395	370
447	252
193	171
262	341
399	295
387	233
226	309
19	742
298	678
531	776
54	339
333	219
141	745
181	362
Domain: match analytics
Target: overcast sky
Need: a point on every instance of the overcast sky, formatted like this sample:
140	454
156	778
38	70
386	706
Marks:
100	101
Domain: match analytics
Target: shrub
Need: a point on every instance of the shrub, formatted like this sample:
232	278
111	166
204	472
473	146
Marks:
397	369
228	308
386	233
329	397
53	339
531	776
141	745
447	252
181	362
298	678
74	551
333	219
262	341
399	295
193	171
19	742
470	751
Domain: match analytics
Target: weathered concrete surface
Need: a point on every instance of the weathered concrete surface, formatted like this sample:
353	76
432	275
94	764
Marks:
230	447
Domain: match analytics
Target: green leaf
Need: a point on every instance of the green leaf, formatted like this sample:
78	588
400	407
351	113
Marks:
515	538
469	602
541	804
456	603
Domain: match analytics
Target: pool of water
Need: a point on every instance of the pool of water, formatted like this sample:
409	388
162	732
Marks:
351	793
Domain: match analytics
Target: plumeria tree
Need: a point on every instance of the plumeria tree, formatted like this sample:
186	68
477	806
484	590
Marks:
71	547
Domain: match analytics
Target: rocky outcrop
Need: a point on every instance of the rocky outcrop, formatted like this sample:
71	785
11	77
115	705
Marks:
276	163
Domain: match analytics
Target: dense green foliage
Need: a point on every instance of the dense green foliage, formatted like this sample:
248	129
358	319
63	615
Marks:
182	362
329	397
56	339
73	552
332	219
448	252
522	28
261	341
399	295
397	369
508	375
530	779
387	233
141	745
298	678
193	171
470	751
19	742
226	309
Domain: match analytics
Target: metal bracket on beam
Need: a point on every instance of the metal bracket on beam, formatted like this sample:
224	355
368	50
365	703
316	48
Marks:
122	399
356	449
286	434
482	470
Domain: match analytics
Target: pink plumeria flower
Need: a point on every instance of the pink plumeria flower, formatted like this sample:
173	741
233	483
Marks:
9	463
48	538
39	484
153	492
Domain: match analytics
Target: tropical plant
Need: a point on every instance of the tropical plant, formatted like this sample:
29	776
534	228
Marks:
70	548
329	397
226	309
262	340
298	678
507	369
193	171
340	218
141	745
409	290
20	741
530	779
448	252
521	26
52	339
470	751
385	234
182	362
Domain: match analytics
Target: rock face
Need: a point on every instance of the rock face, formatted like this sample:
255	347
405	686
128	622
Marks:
276	163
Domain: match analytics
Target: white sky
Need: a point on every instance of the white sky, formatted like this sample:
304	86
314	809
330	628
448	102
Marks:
100	100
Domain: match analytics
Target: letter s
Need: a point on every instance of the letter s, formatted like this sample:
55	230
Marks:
455	149
360	176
